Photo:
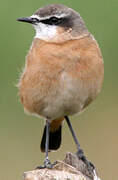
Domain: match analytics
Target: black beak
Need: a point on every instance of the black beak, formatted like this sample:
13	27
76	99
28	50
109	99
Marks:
28	20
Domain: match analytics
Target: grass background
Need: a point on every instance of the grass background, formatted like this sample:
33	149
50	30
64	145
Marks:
97	128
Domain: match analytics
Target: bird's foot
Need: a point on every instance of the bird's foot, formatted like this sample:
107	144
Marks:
47	164
90	166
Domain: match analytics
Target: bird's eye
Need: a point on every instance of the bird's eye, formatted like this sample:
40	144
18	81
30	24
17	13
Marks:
52	21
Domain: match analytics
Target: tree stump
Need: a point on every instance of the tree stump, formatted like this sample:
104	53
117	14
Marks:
71	168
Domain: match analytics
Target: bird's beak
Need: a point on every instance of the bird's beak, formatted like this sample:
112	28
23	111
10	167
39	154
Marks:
28	20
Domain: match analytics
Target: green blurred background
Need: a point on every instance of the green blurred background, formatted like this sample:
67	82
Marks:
97	127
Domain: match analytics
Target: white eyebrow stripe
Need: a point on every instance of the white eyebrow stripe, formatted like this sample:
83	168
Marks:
35	16
48	17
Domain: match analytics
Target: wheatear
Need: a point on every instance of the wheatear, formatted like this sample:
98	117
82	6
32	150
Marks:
63	73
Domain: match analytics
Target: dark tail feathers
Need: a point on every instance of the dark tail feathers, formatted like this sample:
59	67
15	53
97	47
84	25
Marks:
54	139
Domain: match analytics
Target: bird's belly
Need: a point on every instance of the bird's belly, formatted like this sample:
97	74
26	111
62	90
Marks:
71	96
59	97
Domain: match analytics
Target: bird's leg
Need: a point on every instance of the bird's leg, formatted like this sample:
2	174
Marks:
47	163
80	152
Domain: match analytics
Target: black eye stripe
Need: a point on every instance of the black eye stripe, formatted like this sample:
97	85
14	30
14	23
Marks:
35	20
52	21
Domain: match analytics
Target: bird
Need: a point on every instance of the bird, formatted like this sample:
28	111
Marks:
63	73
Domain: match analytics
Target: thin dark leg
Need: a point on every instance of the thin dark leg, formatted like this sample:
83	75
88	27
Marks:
72	132
47	138
47	163
80	152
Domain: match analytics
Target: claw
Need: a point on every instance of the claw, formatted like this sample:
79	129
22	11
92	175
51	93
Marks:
89	165
47	164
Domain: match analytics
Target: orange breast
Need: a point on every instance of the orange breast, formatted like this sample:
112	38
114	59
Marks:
46	63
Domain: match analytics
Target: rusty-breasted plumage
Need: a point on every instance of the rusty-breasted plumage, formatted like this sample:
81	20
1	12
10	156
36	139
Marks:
63	72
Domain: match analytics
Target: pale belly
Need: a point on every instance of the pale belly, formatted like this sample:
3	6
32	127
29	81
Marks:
72	97
62	79
67	97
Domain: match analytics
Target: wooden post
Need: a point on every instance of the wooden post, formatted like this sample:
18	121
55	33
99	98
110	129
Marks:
71	168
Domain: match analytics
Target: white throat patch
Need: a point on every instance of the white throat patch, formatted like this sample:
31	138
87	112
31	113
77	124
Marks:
45	31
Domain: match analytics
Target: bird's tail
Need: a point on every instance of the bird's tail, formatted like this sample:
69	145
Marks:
54	135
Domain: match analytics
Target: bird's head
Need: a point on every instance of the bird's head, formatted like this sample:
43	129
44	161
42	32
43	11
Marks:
56	23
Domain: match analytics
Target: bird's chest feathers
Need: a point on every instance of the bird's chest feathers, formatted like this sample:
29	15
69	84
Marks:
51	59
